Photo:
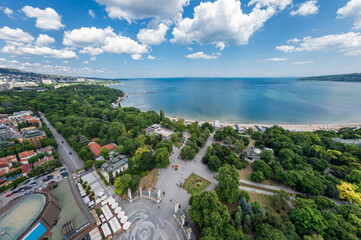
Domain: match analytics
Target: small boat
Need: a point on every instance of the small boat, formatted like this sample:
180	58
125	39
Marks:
2	233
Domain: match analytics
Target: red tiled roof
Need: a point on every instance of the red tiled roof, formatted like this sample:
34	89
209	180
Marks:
25	168
27	117
45	149
43	160
96	148
33	120
4	121
26	154
8	158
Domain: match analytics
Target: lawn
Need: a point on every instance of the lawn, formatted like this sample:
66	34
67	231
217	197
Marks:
245	174
195	184
265	201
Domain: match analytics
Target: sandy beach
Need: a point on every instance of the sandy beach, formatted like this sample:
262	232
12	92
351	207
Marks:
290	127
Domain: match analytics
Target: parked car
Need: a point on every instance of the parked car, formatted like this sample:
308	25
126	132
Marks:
64	174
33	183
62	169
70	153
9	195
13	188
27	181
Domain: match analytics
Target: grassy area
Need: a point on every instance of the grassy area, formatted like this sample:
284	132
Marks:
150	180
195	184
246	173
265	201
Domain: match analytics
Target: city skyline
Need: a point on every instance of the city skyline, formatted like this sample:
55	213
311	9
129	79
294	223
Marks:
180	38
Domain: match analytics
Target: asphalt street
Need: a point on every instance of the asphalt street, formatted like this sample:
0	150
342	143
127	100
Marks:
67	154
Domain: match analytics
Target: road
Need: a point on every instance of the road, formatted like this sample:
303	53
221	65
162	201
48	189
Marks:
68	155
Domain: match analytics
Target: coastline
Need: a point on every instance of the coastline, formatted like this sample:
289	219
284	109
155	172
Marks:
290	127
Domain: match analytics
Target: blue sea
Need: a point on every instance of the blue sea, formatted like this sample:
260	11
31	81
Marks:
247	100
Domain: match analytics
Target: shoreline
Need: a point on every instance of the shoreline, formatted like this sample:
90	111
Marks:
290	127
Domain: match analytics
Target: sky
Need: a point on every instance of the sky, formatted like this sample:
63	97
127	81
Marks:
181	38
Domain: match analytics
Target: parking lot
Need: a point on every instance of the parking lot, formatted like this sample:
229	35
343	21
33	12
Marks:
38	184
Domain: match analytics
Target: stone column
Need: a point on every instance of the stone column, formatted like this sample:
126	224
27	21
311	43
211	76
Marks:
189	233
129	194
183	217
140	192
176	207
149	192
159	194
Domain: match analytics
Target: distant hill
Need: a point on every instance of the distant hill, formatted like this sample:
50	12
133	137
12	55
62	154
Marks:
354	77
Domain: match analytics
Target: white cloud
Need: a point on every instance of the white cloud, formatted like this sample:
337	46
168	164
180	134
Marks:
17	35
274	60
294	40
136	56
224	21
45	19
347	43
93	58
190	49
150	57
121	44
96	40
44	40
29	49
306	8
86	62
91	13
87	37
92	51
303	63
141	9
66	61
220	46
8	12
353	10
151	36
200	55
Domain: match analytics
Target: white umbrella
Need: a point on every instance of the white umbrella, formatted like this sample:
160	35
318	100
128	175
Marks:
115	205
118	210
103	198
111	201
124	219
98	201
101	194
121	214
126	225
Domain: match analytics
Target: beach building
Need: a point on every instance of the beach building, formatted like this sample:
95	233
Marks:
96	149
217	124
114	165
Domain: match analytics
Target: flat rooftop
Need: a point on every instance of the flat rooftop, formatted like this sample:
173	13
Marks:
70	210
20	215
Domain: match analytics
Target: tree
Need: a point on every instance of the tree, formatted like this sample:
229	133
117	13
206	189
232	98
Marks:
124	182
244	194
348	192
256	135
162	157
105	153
88	164
257	176
179	125
276	201
99	163
307	219
354	176
188	153
111	178
214	163
267	156
228	183
262	166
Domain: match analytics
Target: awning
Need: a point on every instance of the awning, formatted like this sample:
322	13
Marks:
124	219
106	230
126	225
114	224
107	213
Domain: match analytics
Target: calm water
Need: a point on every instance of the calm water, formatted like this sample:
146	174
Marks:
248	100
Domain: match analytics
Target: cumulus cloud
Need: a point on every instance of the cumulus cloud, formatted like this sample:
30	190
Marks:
91	13
86	62
136	56
347	43
44	40
224	21
92	51
220	46
151	36
17	35
28	49
352	10
306	8
8	12
96	40
47	19
200	55
274	60
93	58
150	57
141	9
